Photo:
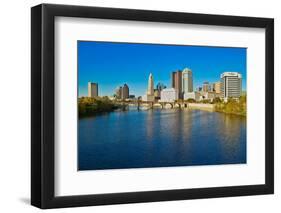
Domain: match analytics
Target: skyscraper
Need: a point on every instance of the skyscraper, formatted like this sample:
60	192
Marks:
149	96
205	87
231	84
217	87
125	92
187	81
92	90
160	86
150	88
118	92
177	82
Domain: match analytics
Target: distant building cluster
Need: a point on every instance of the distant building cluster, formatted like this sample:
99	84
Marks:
122	92
182	82
208	91
229	85
157	91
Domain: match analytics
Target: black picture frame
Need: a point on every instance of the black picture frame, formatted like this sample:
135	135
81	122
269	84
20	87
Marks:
43	110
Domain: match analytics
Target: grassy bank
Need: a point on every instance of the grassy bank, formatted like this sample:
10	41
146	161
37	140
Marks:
92	106
232	106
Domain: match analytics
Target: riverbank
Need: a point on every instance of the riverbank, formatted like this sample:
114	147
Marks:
232	106
201	106
92	106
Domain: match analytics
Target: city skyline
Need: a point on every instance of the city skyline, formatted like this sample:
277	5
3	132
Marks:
112	64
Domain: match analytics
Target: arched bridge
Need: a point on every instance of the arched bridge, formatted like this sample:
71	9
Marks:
154	104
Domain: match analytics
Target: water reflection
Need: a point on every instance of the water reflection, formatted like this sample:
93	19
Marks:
156	138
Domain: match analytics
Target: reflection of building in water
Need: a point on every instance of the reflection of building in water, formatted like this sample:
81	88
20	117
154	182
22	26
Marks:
149	124
230	130
149	96
231	84
184	126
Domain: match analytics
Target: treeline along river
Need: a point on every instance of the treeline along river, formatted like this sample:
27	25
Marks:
160	138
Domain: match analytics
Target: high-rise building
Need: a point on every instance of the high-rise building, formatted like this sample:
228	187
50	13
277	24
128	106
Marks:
231	84
149	96
211	87
205	87
217	87
177	82
125	92
160	86
187	81
92	90
150	87
118	92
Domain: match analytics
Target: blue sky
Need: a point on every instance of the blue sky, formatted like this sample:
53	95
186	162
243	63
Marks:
113	64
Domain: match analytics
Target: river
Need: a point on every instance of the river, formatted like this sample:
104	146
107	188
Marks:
160	138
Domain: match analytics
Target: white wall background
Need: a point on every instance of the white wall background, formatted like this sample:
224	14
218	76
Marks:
15	105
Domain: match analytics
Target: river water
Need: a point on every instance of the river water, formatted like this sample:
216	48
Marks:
160	138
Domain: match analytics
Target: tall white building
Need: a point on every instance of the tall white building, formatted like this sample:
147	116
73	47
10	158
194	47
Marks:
149	96
231	84
187	81
150	88
92	90
169	95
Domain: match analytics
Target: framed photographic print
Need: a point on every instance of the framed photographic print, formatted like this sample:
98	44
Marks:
139	106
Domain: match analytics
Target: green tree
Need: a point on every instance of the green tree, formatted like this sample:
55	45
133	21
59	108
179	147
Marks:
233	106
191	100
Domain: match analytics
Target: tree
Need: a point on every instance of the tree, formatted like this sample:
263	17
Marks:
191	100
205	101
233	106
217	100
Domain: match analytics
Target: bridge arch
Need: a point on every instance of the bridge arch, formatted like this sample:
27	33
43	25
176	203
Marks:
158	104
165	104
178	105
